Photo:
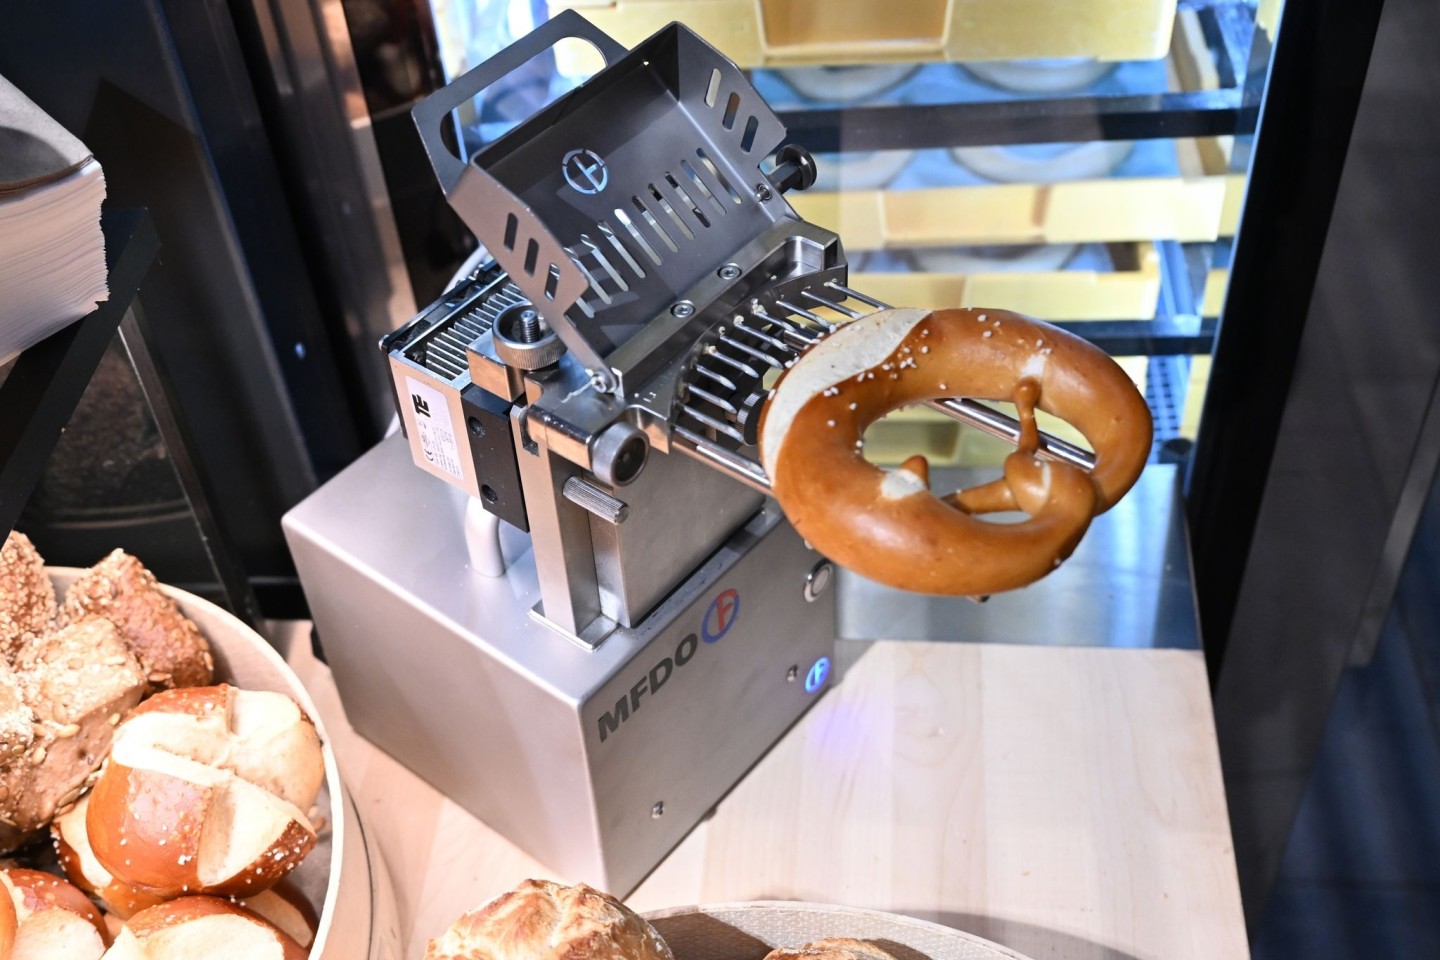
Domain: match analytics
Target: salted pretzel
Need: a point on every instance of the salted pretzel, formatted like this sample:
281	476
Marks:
886	525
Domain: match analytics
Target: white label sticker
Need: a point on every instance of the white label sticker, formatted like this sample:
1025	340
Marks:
437	433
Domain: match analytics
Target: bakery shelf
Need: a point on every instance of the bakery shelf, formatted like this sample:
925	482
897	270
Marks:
757	33
1127	292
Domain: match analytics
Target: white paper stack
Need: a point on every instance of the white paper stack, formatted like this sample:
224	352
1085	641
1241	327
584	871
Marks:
52	253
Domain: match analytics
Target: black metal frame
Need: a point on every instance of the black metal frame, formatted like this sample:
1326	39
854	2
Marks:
1316	76
46	383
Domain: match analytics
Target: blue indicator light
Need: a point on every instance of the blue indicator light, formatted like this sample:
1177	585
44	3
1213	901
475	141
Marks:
818	674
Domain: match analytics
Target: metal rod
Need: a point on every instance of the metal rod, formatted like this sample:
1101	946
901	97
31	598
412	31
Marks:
711	422
725	382
740	468
997	424
744	368
852	314
794	329
777	344
857	295
793	308
704	394
746	348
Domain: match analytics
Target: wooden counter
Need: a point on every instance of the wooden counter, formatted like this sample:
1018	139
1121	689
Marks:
1065	802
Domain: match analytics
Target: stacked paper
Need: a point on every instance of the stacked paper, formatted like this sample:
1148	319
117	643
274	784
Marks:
52	253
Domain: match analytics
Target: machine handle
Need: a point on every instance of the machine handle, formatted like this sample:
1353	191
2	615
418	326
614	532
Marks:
432	111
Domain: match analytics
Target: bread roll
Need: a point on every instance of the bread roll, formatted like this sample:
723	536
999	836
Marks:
541	920
206	791
27	598
169	647
192	928
72	845
52	918
831	948
284	907
76	684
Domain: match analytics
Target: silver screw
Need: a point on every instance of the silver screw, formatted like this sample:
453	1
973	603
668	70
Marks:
682	309
657	811
792	674
729	272
529	327
762	192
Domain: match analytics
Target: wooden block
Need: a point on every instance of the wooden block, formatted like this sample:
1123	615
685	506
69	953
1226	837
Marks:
1048	295
1216	282
756	33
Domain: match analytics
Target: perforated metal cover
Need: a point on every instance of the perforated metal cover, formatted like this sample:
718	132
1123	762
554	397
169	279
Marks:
607	205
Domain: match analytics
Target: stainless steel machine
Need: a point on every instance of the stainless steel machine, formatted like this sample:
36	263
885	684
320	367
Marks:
598	622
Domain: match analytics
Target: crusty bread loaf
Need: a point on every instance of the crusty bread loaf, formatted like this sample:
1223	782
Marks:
27	598
542	920
168	646
831	948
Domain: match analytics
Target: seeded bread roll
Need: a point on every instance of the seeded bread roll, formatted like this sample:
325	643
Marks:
831	948
27	598
168	646
76	684
541	920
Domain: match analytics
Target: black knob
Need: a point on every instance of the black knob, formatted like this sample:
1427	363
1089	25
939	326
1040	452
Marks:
794	169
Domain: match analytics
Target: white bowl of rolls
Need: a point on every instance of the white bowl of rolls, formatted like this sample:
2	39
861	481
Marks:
216	828
544	920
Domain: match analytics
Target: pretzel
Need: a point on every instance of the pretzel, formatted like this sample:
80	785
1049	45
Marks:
886	525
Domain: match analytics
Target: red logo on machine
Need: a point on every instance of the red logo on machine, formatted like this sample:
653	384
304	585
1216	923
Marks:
721	616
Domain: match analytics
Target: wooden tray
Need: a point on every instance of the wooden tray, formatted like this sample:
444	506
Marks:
758	33
748	931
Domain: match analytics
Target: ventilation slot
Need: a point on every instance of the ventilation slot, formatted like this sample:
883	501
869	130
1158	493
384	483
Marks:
654	225
609	234
445	353
552	282
512	226
629	225
680	192
748	139
532	255
714	171
713	91
670	211
700	185
732	107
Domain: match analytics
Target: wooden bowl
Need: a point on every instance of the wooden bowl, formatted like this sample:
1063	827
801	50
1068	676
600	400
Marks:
748	931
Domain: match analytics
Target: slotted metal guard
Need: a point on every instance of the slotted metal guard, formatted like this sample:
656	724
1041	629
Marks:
607	205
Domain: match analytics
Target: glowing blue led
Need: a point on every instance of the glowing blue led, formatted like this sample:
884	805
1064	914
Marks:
818	674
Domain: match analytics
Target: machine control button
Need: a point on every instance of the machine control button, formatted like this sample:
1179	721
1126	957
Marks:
817	581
